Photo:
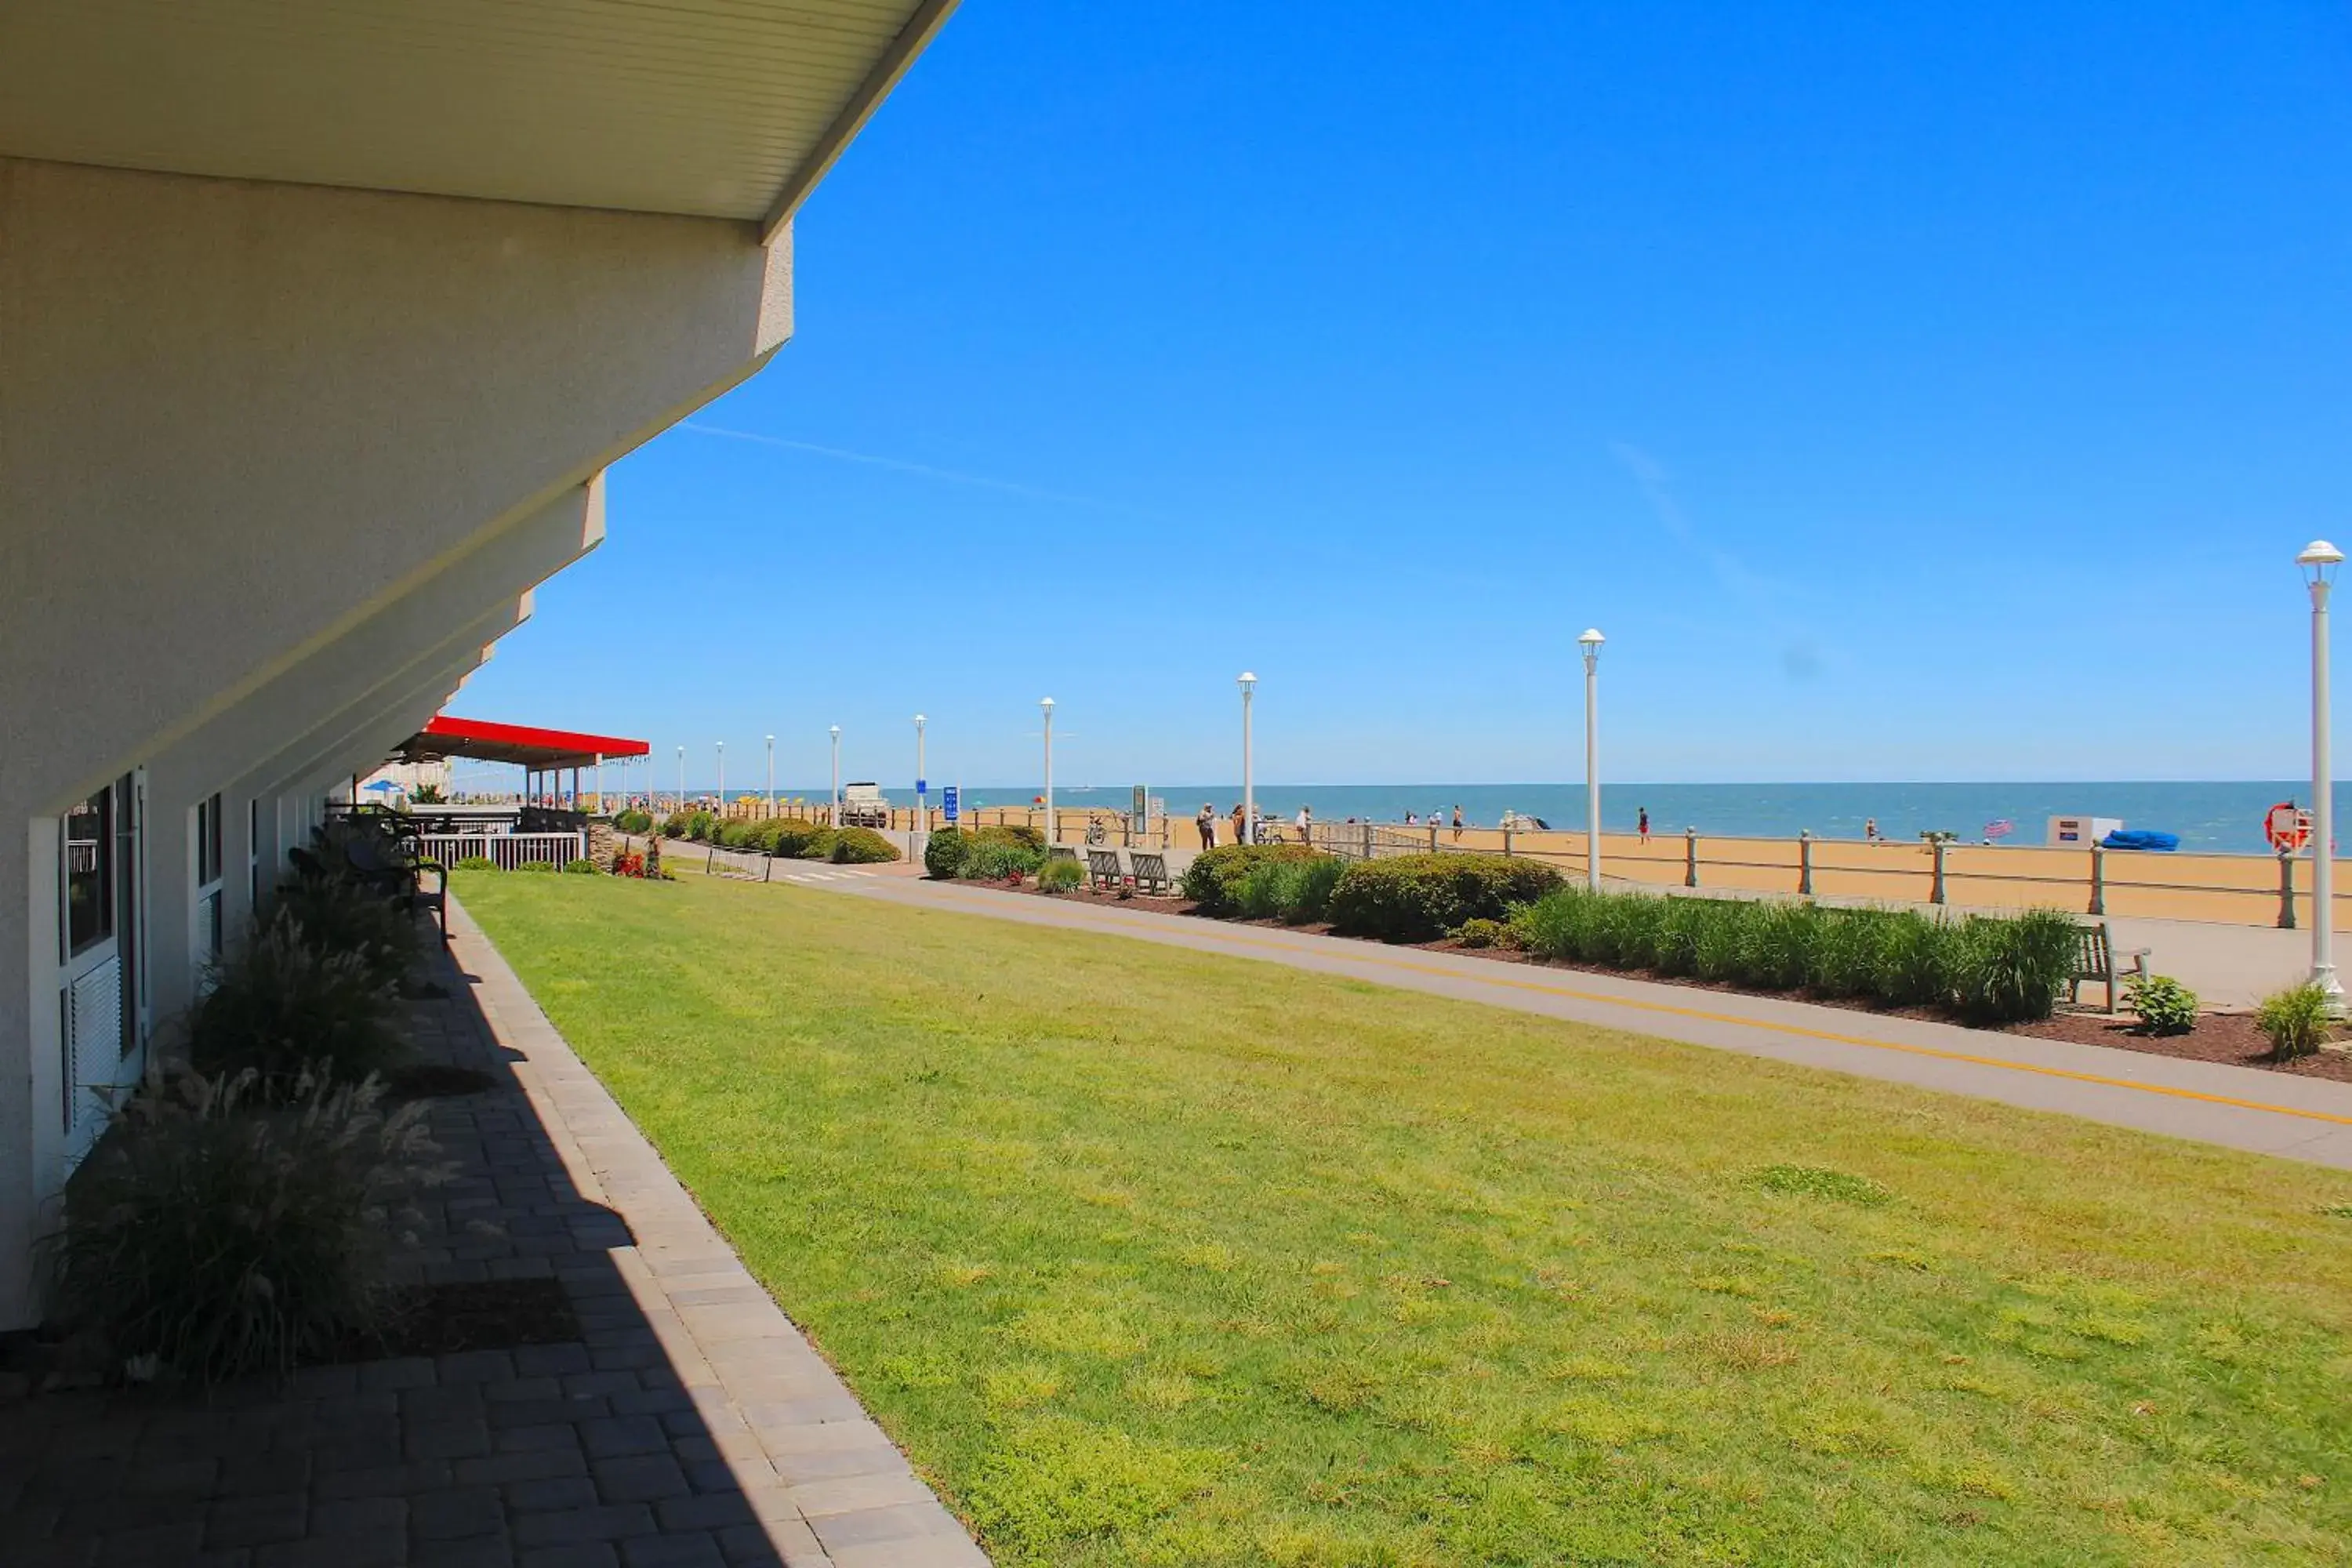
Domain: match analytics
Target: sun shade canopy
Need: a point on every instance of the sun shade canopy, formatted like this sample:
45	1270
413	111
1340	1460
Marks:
481	740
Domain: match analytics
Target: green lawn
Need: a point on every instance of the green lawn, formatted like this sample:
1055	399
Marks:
1152	1257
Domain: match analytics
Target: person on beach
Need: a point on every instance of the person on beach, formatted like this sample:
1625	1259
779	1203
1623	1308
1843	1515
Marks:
1645	829
1408	819
1458	825
1870	830
1207	822
1241	824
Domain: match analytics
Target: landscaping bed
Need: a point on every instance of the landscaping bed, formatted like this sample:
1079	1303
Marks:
2229	1039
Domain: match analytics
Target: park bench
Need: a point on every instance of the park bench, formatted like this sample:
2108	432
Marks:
2094	960
1102	869
1062	852
1151	876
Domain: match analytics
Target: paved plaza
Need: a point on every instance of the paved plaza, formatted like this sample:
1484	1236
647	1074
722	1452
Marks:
690	1423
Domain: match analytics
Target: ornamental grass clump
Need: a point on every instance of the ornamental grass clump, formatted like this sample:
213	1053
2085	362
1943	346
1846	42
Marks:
1001	860
1061	876
281	1006
2295	1021
339	915
209	1235
2010	970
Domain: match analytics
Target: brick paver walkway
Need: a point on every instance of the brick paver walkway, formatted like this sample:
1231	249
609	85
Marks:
691	1424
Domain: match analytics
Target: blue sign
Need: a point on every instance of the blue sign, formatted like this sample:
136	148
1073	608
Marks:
948	802
920	787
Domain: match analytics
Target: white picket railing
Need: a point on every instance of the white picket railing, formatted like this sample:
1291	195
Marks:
506	850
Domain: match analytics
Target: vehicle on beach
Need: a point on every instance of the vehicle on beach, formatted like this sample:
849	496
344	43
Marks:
862	805
1520	822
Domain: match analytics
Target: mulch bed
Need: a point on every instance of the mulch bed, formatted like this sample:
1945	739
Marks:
2229	1039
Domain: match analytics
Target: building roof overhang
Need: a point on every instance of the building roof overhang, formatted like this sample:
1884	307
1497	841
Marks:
525	746
710	107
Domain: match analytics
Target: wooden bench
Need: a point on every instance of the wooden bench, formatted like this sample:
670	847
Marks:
2094	960
1103	869
1151	876
1062	852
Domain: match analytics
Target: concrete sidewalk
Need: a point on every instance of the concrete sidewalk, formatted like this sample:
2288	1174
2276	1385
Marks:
2240	1107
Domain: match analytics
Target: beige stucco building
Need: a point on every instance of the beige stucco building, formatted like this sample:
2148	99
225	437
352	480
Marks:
318	328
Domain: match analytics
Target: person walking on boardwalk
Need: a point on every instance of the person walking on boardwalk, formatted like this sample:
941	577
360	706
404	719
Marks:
1306	825
1241	824
1645	829
1458	825
1207	822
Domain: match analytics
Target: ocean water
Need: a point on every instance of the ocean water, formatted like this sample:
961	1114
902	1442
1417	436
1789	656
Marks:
2226	818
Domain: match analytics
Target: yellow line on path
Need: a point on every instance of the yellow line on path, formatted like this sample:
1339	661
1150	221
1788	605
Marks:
1212	932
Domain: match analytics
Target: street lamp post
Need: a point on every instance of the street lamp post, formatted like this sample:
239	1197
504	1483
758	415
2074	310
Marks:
2319	560
723	781
836	732
771	776
1590	643
1248	683
681	778
1051	835
922	785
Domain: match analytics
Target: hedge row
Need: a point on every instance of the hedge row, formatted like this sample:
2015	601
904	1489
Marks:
1214	880
1420	898
1995	969
786	838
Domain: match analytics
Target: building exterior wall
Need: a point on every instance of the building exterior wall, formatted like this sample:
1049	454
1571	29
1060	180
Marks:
277	463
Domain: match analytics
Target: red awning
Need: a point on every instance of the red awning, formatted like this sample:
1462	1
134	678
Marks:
481	740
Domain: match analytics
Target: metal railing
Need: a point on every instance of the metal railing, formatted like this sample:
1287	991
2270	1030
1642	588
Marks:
506	850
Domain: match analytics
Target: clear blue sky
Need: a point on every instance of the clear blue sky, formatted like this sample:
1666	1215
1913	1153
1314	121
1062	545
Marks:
1910	391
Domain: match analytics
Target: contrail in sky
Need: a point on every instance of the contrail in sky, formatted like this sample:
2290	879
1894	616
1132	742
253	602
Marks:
924	469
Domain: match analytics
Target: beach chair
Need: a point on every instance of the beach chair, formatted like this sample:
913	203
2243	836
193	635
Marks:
2094	960
1103	870
1152	874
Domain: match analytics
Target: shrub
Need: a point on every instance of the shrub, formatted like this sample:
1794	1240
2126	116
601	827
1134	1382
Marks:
1484	933
1259	898
536	866
1061	876
1634	926
793	836
1307	889
336	914
1004	832
2007	971
632	820
1214	880
673	825
582	866
2295	1021
476	863
2163	1005
860	847
1001	860
1419	898
279	1003
1775	944
944	852
207	1238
